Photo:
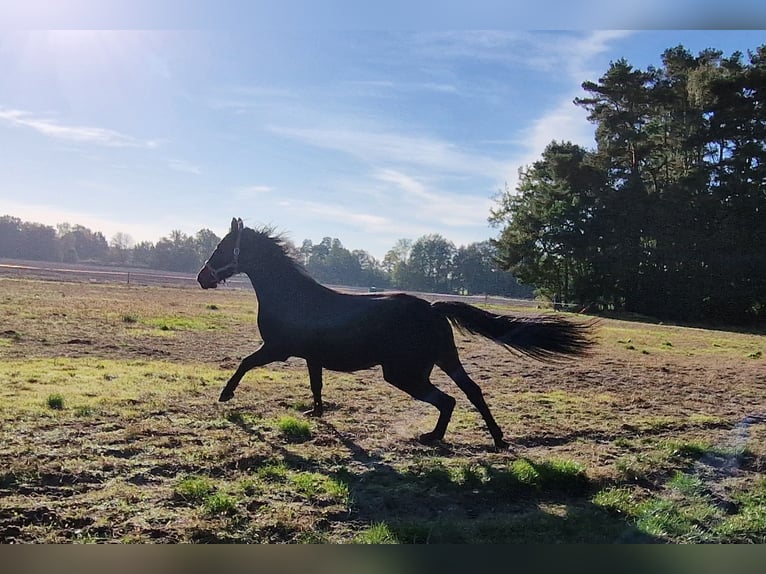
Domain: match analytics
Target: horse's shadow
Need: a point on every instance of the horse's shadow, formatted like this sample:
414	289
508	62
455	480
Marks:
430	501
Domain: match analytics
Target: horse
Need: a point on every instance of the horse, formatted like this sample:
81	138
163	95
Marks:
404	334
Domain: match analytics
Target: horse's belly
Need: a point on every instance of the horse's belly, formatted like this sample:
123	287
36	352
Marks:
347	361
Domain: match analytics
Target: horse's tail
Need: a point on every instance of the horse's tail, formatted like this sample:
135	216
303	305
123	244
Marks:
542	337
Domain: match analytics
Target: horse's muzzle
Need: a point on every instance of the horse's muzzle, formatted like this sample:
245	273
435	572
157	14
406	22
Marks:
207	279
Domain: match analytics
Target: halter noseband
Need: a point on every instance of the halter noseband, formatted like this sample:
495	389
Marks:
233	264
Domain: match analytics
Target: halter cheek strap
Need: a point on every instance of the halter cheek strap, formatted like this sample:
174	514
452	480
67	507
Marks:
233	264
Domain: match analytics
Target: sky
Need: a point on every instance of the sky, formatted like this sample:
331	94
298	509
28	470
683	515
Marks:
368	136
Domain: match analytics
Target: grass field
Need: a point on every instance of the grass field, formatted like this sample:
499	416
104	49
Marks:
110	432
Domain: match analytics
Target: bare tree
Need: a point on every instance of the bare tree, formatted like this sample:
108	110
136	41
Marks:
120	245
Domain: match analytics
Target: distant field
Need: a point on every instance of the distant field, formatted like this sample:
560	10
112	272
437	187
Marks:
110	431
93	273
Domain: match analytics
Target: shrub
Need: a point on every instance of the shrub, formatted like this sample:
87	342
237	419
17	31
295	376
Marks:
55	401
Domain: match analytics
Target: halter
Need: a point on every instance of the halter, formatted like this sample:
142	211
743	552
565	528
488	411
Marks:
233	264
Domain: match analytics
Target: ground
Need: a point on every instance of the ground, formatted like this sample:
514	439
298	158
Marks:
111	431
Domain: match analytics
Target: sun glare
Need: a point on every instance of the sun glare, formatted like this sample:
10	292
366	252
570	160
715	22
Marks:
77	66
79	46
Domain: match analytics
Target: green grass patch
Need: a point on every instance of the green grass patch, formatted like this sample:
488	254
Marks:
684	511
219	503
617	499
525	472
194	489
686	484
698	449
469	475
200	491
642	464
96	383
558	475
748	525
317	486
55	401
378	533
672	340
688	449
273	472
293	429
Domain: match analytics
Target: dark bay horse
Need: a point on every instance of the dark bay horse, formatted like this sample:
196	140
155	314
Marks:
406	335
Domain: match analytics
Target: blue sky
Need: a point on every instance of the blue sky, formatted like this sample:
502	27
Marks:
365	136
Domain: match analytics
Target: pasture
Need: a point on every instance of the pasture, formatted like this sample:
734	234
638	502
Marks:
110	432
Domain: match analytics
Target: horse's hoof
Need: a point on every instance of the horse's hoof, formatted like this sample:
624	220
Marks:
428	438
314	413
225	397
501	445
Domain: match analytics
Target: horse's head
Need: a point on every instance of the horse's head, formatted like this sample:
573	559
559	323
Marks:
224	262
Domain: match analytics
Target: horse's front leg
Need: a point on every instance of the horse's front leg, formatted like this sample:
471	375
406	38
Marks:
315	378
263	356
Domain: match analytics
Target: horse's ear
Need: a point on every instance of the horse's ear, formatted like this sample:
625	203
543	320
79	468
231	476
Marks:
240	224
235	224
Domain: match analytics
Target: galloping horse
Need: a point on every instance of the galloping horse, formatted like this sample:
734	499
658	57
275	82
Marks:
406	335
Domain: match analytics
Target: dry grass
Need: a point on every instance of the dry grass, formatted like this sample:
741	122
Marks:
657	436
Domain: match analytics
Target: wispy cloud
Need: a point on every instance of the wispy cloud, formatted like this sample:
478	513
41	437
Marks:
246	191
407	150
540	51
434	205
413	174
246	99
382	147
380	88
564	121
338	214
184	166
590	46
74	133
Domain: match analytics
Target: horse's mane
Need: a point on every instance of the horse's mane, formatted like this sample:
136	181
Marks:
275	245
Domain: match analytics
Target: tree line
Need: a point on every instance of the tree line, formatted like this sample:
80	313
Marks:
431	263
667	215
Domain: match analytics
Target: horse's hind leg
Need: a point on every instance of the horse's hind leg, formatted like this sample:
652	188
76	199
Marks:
456	372
419	387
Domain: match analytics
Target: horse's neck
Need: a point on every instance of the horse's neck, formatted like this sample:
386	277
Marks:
285	290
